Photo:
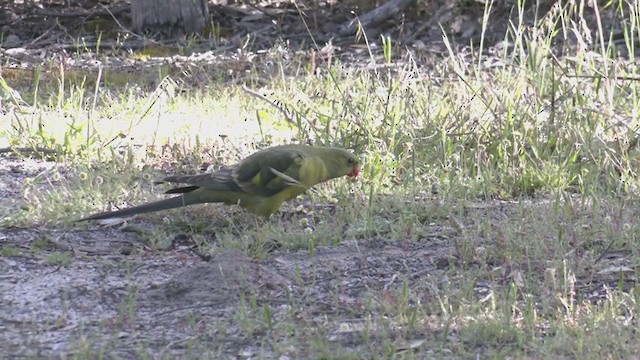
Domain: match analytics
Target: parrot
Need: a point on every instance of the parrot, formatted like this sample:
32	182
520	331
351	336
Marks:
260	183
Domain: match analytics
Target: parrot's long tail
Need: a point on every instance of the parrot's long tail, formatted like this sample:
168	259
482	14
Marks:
174	202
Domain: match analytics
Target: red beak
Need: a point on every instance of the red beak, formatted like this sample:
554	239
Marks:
355	171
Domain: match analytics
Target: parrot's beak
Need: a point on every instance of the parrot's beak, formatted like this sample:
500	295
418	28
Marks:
355	172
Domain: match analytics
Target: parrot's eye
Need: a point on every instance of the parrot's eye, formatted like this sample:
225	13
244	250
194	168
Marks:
350	161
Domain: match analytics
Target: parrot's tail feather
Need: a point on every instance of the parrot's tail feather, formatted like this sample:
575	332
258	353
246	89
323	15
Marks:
171	203
182	190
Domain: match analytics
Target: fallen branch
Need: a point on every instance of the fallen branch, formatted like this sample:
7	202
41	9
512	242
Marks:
375	16
116	10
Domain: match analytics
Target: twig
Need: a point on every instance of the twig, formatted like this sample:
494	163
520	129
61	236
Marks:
282	109
25	150
127	30
278	105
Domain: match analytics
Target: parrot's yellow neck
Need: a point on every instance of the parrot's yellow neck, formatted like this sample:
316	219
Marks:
313	171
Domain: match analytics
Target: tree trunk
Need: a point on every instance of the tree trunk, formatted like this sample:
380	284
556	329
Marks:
170	17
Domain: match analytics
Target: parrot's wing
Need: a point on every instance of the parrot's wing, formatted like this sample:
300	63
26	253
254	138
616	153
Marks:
219	180
264	173
288	179
268	172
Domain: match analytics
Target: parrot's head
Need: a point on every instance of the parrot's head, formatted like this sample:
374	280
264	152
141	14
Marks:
345	163
355	168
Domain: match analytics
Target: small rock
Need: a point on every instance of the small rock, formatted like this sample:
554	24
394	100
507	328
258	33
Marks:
12	41
442	263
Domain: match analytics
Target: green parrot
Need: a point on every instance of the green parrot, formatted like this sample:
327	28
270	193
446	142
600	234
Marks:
260	183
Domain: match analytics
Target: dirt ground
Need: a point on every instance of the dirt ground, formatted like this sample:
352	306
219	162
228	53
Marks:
114	301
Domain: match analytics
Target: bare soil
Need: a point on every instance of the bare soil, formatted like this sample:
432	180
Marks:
116	301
